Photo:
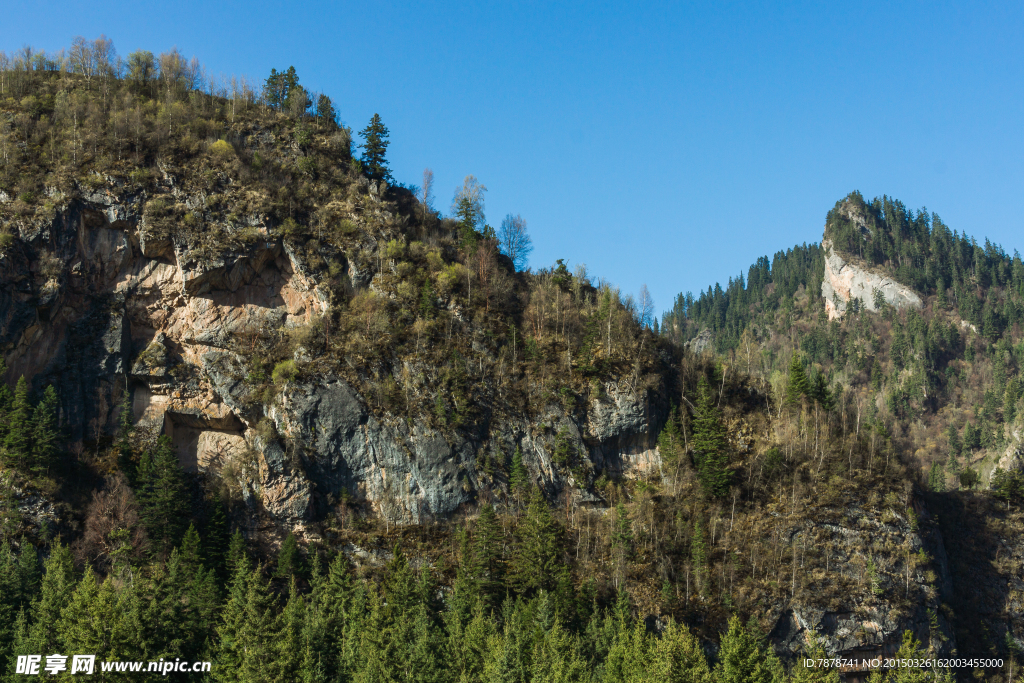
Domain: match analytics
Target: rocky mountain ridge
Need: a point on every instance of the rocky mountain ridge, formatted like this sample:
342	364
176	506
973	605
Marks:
148	314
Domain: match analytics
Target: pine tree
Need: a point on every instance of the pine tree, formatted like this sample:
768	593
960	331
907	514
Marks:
288	558
910	649
670	440
217	539
18	440
44	423
9	592
679	657
288	646
622	542
249	629
188	599
375	148
698	555
103	619
487	564
29	575
468	644
629	660
798	386
709	443
518	477
814	673
325	113
742	659
342	603
232	617
162	496
238	554
55	592
557	658
821	394
537	556
124	433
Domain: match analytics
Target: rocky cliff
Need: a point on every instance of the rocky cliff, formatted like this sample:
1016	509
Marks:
845	282
98	300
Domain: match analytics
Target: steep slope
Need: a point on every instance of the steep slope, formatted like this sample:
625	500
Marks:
344	343
333	358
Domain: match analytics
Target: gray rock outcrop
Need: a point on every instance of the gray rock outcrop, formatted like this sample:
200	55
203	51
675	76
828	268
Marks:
135	305
845	282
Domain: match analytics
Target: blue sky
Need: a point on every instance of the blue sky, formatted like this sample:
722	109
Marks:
666	144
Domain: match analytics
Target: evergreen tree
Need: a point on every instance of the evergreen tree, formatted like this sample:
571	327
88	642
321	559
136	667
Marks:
186	600
29	575
820	393
288	646
375	147
125	428
249	629
910	649
217	539
510	652
10	590
325	113
18	441
813	673
670	440
537	556
629	660
798	386
698	555
518	477
288	558
232	616
937	478
742	658
468	643
622	542
162	496
557	658
709	443
487	564
44	422
678	657
238	554
104	620
341	604
55	592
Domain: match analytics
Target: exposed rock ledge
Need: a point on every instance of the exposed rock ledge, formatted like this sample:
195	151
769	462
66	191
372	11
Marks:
845	282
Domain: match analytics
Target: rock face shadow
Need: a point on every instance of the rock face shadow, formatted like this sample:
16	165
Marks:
202	442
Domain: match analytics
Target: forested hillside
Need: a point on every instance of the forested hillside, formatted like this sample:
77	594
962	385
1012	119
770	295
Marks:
265	406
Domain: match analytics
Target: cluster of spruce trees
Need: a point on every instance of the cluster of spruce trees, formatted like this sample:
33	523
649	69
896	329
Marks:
727	312
520	620
982	282
28	429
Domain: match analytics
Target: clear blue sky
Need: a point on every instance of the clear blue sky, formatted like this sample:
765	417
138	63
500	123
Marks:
668	144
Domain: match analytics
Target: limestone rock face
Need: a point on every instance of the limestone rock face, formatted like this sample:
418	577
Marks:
135	306
408	474
888	594
844	282
621	441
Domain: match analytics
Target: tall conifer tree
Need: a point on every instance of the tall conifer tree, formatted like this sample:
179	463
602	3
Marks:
709	443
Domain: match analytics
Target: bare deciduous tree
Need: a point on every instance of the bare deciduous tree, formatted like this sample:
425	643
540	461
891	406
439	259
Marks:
470	196
426	195
645	307
113	531
514	241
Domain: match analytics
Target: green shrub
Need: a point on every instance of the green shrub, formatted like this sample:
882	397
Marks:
285	371
223	149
